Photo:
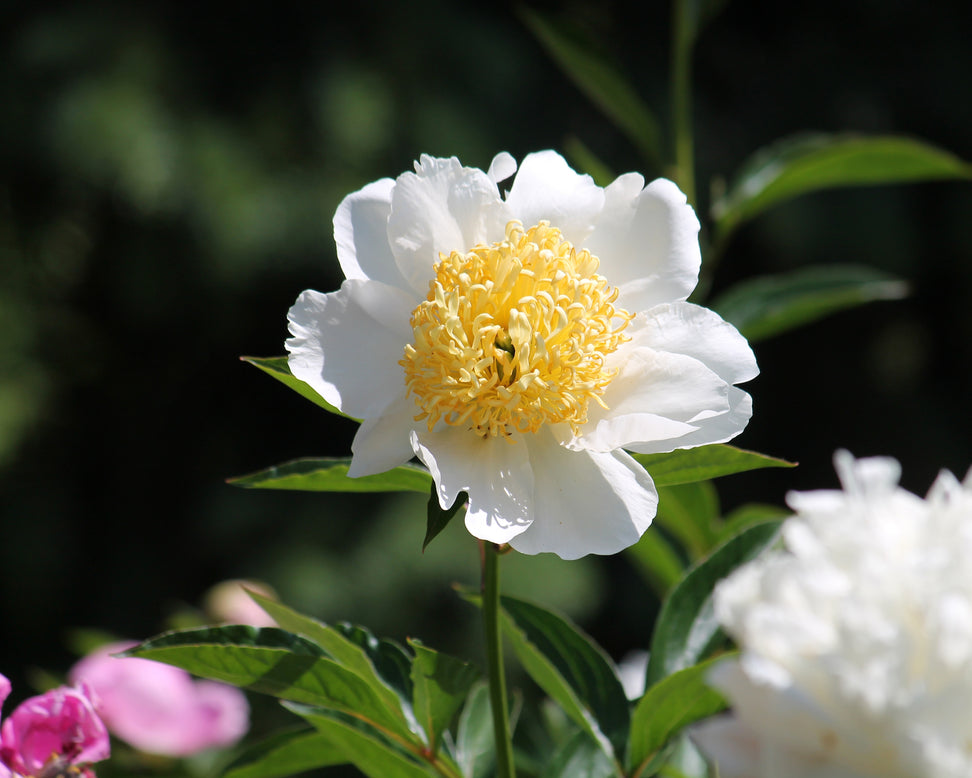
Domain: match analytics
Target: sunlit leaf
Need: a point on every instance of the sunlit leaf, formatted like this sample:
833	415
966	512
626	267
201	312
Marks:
286	753
441	683
599	80
330	474
579	756
279	369
768	305
474	735
807	163
685	466
670	705
364	746
437	517
686	630
274	662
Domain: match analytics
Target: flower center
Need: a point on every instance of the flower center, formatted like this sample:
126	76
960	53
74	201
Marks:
514	335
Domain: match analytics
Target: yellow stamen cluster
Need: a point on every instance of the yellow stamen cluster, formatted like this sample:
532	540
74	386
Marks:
514	335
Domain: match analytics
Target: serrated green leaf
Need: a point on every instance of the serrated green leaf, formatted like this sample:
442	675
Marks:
330	474
335	642
280	369
571	668
274	662
286	753
690	512
685	466
665	709
474	735
437	517
806	163
599	80
440	683
579	756
768	305
657	560
686	630
367	748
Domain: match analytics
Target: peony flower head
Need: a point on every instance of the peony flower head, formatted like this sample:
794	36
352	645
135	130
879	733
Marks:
856	641
53	734
518	342
160	709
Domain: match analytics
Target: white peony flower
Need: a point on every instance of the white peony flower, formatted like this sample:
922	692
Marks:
856	641
516	344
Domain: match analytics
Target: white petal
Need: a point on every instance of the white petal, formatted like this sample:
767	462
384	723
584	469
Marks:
730	744
346	345
648	245
657	396
684	328
383	441
713	429
545	188
495	473
440	208
502	167
585	502
361	234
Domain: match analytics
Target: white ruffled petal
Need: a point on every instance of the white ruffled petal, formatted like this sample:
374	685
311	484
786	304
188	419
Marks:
502	167
545	188
440	208
717	428
361	235
585	502
648	243
494	473
383	441
347	344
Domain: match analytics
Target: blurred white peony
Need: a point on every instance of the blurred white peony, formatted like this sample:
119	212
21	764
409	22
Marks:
856	642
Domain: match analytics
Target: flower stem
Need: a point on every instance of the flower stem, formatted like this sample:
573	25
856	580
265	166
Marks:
494	660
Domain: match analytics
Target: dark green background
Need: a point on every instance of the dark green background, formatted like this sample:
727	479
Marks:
167	178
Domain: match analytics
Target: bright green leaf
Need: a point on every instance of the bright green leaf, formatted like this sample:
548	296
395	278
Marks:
440	683
689	512
807	163
599	80
391	660
684	466
331	475
769	305
286	753
579	756
666	708
280	369
657	560
365	747
687	631
274	662
437	517
474	735
570	667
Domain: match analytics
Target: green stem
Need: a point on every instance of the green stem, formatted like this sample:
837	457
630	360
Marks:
681	86
494	660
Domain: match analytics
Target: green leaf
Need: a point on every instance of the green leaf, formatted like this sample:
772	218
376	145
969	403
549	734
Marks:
274	662
280	369
571	668
440	684
365	747
666	708
692	15
331	475
579	756
391	660
584	160
599	80
687	631
685	466
474	736
689	512
286	753
657	560
747	515
806	163
769	305
437	517
342	649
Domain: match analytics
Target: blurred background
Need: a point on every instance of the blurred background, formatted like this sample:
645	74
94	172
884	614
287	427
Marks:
168	173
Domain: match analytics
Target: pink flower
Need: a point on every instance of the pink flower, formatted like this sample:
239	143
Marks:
159	708
47	734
